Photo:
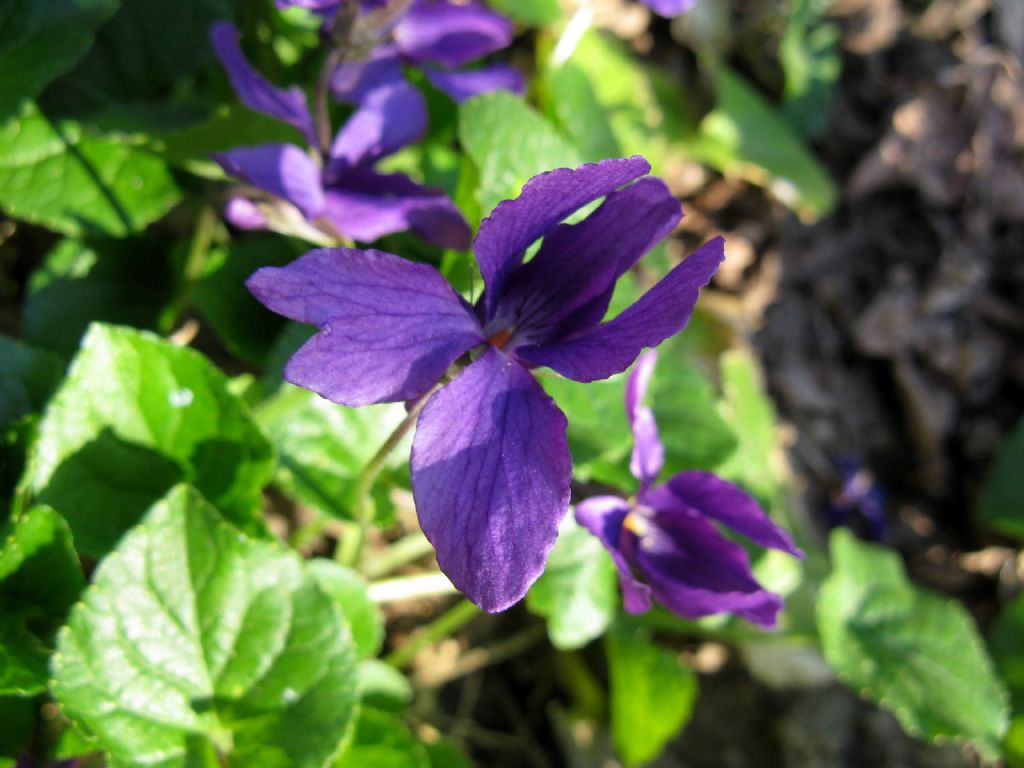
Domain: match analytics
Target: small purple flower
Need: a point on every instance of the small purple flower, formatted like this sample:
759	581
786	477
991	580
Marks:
670	8
663	542
860	501
342	194
440	37
490	461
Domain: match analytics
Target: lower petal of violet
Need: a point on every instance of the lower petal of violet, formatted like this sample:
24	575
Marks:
661	312
389	328
370	205
490	475
462	85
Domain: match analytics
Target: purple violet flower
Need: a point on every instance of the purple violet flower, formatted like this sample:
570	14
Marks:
490	461
670	8
343	194
663	542
440	37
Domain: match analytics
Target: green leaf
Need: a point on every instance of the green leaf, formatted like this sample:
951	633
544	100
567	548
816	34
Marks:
41	39
1001	504
384	687
576	593
811	62
40	578
197	643
652	694
915	653
242	323
612	105
537	13
381	740
323	447
135	416
27	377
444	754
491	123
1007	651
745	135
128	281
18	716
350	591
56	174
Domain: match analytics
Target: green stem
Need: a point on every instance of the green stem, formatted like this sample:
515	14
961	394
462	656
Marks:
446	624
195	265
402	552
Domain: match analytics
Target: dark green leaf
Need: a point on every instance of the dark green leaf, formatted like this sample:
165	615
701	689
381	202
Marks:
652	694
576	593
56	174
381	740
135	416
811	62
444	754
41	39
915	653
196	642
128	282
489	125
1002	496
27	377
18	715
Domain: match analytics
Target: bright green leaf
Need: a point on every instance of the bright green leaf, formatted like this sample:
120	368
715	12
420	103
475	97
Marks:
652	694
135	416
489	125
576	593
384	687
56	174
745	135
537	13
381	740
126	281
1002	496
196	641
915	653
323	446
41	39
350	591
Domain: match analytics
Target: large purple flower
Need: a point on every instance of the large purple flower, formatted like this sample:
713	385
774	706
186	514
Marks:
440	37
663	541
342	193
490	461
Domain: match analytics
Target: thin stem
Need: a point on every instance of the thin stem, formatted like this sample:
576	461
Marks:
414	587
402	552
446	624
339	41
195	264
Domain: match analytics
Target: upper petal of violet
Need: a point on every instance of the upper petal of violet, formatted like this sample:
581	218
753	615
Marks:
389	328
728	504
658	314
545	200
464	84
490	474
648	451
567	286
283	170
451	33
258	94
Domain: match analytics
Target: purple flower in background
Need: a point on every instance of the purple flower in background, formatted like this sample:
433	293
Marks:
664	544
670	8
440	37
860	501
490	461
340	193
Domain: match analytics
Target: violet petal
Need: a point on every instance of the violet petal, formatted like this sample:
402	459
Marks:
389	118
243	213
451	33
648	451
462	85
490	474
256	92
389	328
722	501
670	8
283	170
658	314
370	205
353	81
545	200
567	286
603	516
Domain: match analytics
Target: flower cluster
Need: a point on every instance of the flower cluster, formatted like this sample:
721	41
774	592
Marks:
490	460
663	542
337	192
